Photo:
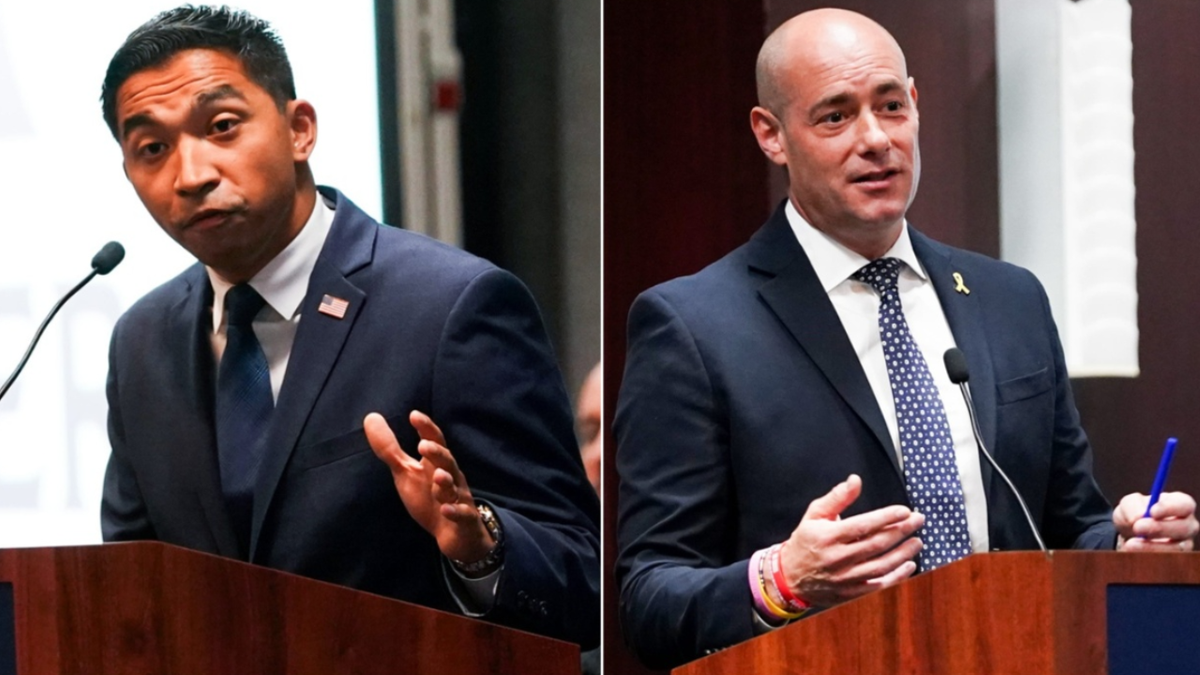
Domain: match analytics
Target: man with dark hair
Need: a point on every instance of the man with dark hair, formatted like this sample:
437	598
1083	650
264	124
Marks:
253	397
251	39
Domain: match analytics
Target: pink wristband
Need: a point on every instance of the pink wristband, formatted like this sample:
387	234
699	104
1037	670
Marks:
754	571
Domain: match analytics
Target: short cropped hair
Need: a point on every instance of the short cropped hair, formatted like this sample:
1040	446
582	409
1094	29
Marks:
239	33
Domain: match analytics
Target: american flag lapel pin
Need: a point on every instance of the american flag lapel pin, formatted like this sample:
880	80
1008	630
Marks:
335	307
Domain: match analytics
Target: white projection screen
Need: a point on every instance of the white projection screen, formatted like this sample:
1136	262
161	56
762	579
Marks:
64	195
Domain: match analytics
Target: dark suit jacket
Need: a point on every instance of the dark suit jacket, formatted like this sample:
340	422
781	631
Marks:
743	401
429	327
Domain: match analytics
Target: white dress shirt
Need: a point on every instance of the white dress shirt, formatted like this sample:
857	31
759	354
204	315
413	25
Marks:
857	305
283	283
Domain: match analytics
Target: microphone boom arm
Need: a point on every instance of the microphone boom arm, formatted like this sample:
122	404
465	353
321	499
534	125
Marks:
1012	488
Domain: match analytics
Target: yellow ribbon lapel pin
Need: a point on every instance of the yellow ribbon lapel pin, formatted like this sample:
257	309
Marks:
959	286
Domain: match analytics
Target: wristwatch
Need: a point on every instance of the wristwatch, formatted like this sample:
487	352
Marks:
494	557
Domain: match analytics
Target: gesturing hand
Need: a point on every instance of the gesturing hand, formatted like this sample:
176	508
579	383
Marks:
828	560
433	488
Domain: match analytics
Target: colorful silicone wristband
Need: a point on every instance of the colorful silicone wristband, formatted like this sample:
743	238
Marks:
791	602
754	573
774	609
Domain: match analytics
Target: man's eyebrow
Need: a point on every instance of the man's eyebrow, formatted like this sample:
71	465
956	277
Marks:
831	101
841	98
131	123
889	87
222	92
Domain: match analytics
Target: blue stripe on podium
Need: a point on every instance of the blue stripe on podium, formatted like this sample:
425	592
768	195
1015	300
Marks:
1153	629
8	634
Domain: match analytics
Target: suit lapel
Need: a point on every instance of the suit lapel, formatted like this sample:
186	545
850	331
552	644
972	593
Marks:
797	298
190	324
319	341
964	315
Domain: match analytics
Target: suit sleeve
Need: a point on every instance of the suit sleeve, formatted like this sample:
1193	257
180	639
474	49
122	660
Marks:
123	515
1076	514
683	587
500	399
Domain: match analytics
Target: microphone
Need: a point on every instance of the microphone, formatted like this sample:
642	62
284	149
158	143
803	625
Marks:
109	257
956	368
103	262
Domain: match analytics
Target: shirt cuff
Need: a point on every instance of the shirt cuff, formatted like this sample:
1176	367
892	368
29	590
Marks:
761	627
475	597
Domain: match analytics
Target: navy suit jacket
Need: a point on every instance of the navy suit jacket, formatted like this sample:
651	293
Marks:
743	401
429	327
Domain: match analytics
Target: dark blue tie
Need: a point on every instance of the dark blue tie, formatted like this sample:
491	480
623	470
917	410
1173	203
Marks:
930	469
244	406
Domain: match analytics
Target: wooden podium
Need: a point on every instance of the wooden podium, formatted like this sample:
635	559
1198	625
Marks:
158	609
994	614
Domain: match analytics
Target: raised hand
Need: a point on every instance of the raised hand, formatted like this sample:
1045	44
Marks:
828	560
433	488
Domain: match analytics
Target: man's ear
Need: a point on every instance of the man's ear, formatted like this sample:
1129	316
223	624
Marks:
302	118
768	131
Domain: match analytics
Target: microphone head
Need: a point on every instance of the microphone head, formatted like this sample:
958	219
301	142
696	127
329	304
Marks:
956	365
109	257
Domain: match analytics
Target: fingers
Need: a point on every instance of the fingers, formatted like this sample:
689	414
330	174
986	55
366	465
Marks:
1172	521
1176	529
1137	545
881	565
884	539
440	457
904	571
385	445
854	582
449	483
830	505
866	524
426	428
444	490
451	503
1173	505
1128	511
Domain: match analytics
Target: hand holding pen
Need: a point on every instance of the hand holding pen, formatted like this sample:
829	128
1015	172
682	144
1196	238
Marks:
1160	521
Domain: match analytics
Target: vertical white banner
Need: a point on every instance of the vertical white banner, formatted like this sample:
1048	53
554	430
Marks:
1065	80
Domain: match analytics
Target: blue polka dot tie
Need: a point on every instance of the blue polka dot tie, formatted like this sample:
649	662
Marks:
244	407
930	470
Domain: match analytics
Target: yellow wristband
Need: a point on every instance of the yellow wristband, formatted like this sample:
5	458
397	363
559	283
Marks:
770	604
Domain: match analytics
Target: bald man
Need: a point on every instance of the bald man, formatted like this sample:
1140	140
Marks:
787	436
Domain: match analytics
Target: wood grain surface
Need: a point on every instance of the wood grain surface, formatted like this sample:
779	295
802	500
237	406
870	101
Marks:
153	608
998	613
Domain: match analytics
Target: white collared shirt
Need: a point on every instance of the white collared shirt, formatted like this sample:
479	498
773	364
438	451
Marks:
283	283
857	305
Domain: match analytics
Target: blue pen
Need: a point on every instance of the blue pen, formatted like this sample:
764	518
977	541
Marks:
1164	465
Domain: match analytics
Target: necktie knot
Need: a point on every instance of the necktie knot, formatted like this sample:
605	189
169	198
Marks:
881	274
243	303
